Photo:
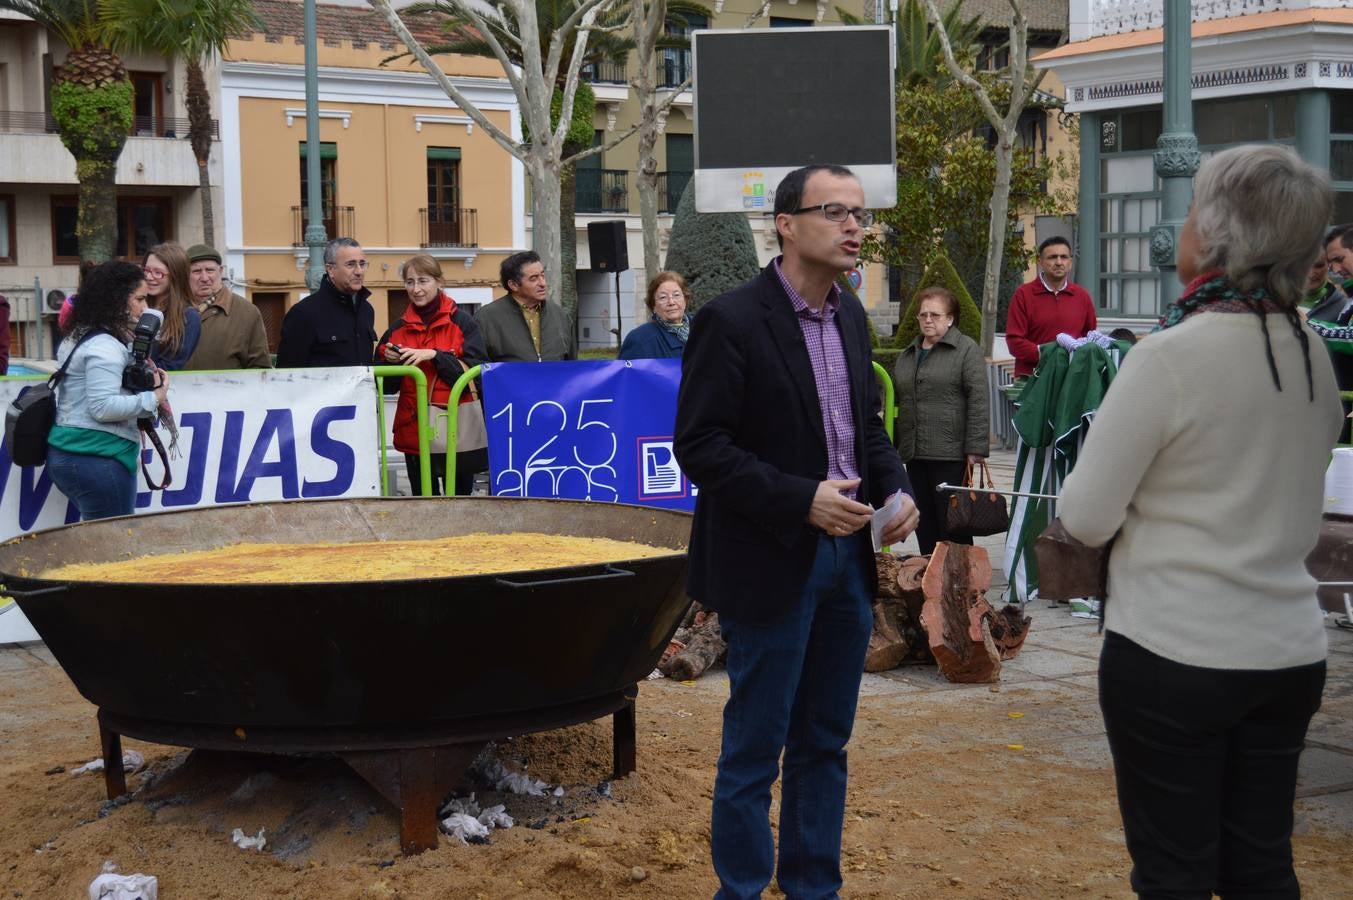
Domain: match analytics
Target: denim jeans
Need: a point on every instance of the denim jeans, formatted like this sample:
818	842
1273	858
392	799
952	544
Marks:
1206	765
793	683
99	487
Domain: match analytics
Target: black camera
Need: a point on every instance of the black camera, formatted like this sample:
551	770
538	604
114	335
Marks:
140	375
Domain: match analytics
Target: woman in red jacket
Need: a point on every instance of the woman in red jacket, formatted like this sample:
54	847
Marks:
437	336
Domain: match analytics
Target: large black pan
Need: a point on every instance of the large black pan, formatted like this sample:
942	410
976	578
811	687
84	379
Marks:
424	650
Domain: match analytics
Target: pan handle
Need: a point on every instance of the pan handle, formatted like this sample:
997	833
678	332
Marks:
29	595
606	574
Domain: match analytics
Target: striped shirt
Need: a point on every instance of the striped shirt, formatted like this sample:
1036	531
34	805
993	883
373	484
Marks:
823	336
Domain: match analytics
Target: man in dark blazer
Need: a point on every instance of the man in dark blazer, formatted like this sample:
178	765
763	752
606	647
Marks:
777	423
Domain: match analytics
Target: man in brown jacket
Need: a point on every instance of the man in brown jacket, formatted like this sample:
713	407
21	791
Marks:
233	336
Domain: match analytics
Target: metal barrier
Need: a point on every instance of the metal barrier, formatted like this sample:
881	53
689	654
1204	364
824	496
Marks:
420	391
452	402
1001	375
889	401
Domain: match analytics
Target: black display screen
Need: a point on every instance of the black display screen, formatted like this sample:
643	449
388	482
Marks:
776	97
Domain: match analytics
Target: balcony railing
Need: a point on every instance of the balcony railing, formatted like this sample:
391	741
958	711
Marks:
339	221
674	68
27	122
167	126
602	191
449	226
142	126
1118	16
670	187
605	72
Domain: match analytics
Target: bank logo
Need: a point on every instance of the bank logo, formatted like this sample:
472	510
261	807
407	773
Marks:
659	474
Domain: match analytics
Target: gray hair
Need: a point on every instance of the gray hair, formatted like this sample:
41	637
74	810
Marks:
1260	212
331	248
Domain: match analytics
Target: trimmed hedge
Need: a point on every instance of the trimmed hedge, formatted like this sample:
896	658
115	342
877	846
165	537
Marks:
940	271
715	252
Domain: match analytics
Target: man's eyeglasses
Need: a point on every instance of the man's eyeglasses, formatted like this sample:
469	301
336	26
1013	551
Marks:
359	264
837	212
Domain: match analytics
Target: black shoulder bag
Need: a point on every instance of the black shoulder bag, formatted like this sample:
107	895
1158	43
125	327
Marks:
31	415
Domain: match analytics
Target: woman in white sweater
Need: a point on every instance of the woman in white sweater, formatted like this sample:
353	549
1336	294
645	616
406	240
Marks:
1206	460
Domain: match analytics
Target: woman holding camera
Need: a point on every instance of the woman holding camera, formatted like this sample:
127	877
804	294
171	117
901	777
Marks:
1207	460
169	290
443	340
95	445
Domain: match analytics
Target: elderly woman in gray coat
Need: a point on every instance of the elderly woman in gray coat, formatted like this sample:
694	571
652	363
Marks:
942	421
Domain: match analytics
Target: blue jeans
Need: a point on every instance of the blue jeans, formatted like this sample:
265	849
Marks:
99	487
794	683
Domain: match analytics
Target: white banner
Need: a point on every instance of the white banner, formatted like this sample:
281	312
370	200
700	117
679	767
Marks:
245	436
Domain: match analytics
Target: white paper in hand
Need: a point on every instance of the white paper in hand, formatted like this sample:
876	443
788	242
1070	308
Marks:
882	517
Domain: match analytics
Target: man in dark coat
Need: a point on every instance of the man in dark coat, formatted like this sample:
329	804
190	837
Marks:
777	423
523	326
334	326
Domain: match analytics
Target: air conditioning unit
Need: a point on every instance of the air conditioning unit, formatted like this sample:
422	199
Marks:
56	297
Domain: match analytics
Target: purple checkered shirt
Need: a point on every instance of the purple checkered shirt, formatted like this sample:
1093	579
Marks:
823	337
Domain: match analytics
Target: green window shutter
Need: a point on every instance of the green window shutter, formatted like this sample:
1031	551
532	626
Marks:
327	150
444	153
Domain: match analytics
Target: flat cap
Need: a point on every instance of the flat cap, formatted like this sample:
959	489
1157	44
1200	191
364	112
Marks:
199	252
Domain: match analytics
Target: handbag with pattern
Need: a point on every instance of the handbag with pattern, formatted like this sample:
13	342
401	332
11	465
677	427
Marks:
976	511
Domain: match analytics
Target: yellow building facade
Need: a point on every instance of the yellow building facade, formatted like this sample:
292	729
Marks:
403	170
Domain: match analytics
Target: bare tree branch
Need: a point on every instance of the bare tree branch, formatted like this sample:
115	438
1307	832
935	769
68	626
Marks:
402	32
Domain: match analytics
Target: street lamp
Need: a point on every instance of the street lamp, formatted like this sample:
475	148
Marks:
314	230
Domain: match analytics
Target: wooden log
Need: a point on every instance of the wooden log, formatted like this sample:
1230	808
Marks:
899	602
704	647
889	568
956	614
910	575
887	649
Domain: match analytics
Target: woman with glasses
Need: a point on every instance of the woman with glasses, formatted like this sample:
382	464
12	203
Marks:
942	422
664	336
444	341
169	290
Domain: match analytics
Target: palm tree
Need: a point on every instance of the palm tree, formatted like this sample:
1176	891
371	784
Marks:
920	55
196	31
91	102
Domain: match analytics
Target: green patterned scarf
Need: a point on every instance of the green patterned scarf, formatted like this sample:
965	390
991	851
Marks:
1212	292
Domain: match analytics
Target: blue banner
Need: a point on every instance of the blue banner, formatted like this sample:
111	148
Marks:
592	430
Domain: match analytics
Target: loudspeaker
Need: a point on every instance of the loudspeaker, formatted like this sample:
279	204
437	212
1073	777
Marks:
607	247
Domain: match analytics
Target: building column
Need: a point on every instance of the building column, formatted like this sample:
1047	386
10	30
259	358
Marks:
1313	127
1176	156
1087	216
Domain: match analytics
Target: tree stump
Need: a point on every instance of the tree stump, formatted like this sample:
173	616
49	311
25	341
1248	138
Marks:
956	614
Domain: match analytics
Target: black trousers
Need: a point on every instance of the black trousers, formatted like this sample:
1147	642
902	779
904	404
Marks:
924	475
467	464
1206	765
